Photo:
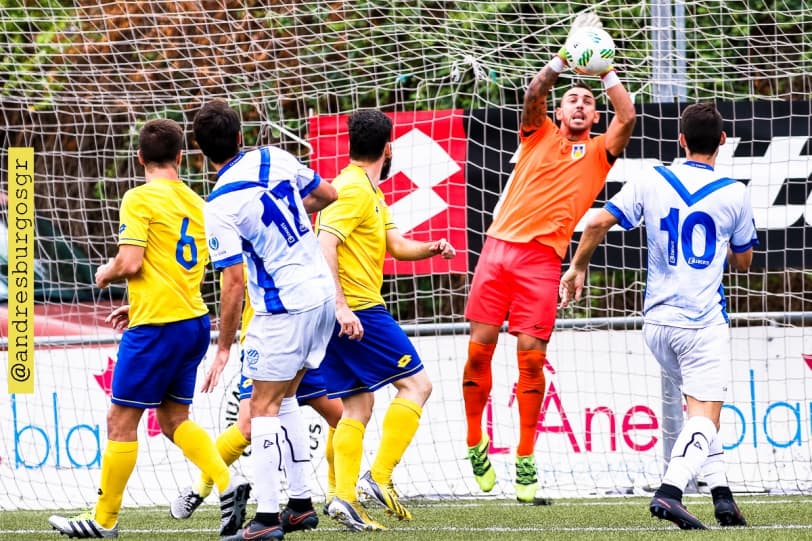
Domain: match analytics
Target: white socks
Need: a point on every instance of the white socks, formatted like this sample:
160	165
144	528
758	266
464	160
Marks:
690	451
714	470
267	457
295	448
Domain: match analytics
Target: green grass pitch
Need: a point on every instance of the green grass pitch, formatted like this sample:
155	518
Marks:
778	518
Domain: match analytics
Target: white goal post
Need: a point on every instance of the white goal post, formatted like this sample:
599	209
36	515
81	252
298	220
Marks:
80	78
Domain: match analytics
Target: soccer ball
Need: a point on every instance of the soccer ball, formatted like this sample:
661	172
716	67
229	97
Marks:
589	51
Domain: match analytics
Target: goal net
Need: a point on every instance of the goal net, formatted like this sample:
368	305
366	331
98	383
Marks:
80	78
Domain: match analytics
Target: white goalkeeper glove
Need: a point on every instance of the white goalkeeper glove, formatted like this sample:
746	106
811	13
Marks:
585	19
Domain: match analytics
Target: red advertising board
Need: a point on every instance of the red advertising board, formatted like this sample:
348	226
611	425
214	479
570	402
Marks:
426	190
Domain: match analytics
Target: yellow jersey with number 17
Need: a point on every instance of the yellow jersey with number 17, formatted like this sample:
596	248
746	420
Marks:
165	217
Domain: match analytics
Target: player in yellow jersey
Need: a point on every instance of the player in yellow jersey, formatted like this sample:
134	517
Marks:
162	254
368	349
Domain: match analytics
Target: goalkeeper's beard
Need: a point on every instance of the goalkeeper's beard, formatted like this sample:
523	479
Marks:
387	165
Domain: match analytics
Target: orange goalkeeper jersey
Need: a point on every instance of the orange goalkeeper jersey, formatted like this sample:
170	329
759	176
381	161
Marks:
554	183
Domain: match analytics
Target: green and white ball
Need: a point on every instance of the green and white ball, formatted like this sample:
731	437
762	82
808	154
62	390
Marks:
590	51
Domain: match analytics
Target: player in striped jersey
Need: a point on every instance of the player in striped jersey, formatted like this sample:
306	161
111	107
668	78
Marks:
696	222
257	213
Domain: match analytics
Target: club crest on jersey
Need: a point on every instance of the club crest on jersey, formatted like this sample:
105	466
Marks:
578	151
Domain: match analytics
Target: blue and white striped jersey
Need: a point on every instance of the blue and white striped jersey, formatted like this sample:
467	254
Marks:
692	216
255	213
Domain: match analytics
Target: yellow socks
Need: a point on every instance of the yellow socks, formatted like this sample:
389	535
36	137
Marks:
399	426
348	442
230	444
198	447
118	462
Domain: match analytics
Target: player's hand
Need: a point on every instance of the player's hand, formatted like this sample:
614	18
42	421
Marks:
585	19
571	286
349	324
101	272
215	370
119	318
444	248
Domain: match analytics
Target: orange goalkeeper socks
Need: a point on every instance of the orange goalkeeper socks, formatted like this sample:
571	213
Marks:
476	387
529	395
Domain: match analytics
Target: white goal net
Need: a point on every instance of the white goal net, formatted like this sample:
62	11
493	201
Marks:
79	78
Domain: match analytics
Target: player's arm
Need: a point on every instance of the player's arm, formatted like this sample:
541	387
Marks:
622	125
348	322
321	196
119	318
126	264
744	238
405	249
534	111
572	282
231	299
740	261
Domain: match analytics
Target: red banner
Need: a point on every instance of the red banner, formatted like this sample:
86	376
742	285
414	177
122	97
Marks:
426	188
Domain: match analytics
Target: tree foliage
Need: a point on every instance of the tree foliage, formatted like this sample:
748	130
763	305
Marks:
79	77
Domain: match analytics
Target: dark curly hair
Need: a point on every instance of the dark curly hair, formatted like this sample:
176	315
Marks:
370	130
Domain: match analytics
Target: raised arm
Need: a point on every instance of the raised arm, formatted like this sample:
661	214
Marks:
620	128
534	111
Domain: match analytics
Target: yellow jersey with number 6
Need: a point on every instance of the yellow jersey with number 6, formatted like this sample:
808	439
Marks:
165	217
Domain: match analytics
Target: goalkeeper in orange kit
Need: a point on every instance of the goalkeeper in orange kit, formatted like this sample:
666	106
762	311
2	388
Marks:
559	172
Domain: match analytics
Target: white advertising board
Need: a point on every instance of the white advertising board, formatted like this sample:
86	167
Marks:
600	430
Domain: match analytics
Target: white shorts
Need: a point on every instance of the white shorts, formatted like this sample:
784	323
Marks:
277	346
698	360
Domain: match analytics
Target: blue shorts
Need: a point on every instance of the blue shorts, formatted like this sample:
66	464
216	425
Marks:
384	355
159	362
311	386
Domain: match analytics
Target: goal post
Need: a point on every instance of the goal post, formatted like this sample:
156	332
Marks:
80	78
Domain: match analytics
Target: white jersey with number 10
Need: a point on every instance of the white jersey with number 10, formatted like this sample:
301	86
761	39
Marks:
692	216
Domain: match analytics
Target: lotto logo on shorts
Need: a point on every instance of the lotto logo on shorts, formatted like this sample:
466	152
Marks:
252	358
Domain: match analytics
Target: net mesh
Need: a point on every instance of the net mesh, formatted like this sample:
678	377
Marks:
80	78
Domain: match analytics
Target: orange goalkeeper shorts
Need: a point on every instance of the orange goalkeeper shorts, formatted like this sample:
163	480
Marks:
517	282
